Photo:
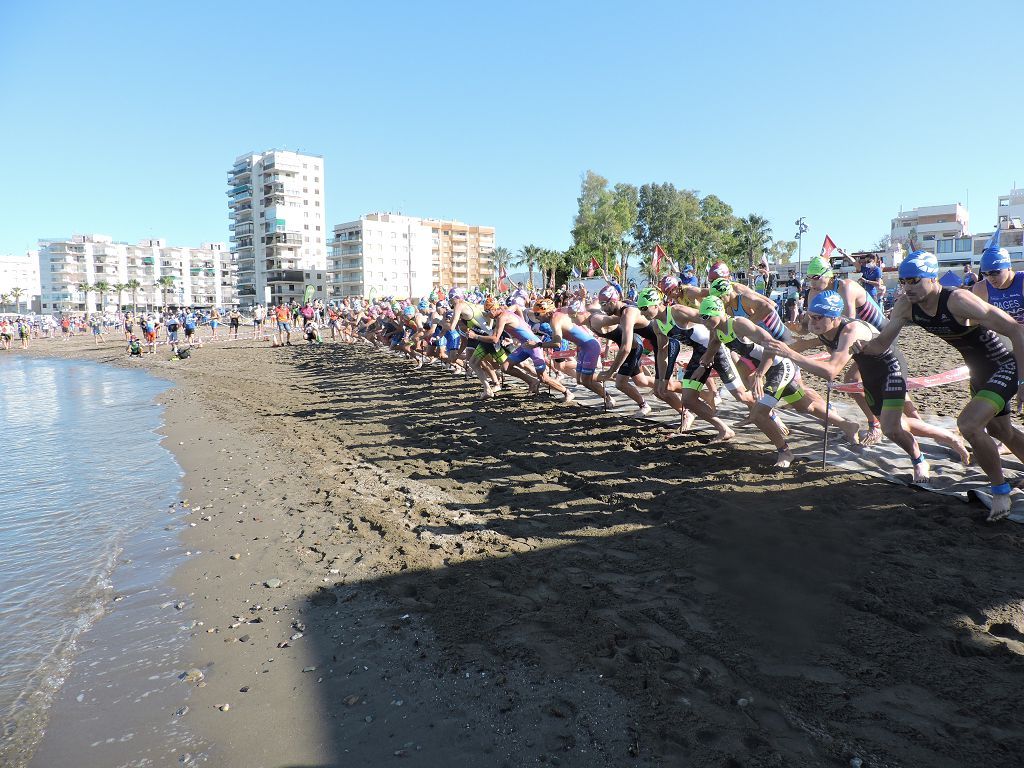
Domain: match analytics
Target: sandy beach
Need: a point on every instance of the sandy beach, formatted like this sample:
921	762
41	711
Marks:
515	583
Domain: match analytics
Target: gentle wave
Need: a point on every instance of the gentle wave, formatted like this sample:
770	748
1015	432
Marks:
81	469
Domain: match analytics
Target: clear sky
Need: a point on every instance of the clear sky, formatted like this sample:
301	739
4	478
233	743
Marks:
123	117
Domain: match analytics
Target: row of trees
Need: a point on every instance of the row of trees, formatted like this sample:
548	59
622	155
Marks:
15	297
619	225
102	287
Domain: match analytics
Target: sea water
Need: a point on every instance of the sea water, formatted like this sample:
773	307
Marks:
82	477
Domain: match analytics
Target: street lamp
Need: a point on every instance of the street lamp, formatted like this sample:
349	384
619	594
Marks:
801	227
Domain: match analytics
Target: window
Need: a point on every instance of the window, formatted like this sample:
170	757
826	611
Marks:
943	246
963	245
316	178
317	227
317	203
305	178
305	226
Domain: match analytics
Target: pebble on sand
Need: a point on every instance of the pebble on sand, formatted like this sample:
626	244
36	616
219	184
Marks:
194	675
224	707
272	583
236	556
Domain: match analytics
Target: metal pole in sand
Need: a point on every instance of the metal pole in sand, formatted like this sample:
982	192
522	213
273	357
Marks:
828	403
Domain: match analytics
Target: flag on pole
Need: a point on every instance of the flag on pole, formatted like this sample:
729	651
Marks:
659	254
576	274
502	279
827	247
594	266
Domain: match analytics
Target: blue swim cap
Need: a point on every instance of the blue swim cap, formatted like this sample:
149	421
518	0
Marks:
827	303
423	306
409	311
920	264
994	257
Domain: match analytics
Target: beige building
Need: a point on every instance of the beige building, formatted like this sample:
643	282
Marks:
461	253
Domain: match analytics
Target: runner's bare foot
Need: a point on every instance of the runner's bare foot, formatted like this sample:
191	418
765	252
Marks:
1000	507
723	437
784	458
922	472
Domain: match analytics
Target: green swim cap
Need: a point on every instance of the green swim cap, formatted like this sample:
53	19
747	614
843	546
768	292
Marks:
649	297
712	306
720	286
818	267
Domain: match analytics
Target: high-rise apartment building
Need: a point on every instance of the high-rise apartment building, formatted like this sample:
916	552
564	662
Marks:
461	253
278	225
383	254
200	277
388	254
21	272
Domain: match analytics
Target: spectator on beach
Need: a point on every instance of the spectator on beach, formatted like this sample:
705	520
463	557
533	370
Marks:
969	277
149	328
214	322
283	315
870	275
134	346
259	316
234	321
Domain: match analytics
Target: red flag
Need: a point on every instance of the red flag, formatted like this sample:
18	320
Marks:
659	254
827	247
503	278
594	266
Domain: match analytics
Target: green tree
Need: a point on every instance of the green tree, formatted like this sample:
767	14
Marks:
119	288
528	257
605	219
782	251
133	285
16	294
502	259
85	289
102	288
5	299
753	235
165	282
550	262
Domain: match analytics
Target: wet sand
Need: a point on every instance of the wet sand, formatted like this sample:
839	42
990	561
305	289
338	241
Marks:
515	582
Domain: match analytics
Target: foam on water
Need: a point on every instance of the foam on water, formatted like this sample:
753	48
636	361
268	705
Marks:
81	471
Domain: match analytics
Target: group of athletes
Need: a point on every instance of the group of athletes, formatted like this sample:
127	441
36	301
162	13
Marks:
736	340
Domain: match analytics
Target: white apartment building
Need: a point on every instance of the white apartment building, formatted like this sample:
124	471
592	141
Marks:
199	277
278	225
943	229
383	254
21	272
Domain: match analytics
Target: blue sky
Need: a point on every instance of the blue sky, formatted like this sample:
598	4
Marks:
123	118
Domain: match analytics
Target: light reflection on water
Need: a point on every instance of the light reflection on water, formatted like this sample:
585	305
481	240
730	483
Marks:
81	469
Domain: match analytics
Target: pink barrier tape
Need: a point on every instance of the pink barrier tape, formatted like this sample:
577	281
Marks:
917	382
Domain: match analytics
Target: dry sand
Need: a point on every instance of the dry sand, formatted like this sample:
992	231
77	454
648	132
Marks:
516	583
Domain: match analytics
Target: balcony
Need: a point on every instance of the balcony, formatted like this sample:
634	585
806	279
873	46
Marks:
283	239
148	261
294	276
281	165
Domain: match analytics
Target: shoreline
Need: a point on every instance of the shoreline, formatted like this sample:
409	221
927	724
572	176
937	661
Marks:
464	602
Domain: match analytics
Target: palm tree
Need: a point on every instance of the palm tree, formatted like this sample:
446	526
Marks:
165	282
133	285
119	288
16	294
753	235
549	262
4	299
528	256
502	259
102	287
85	290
